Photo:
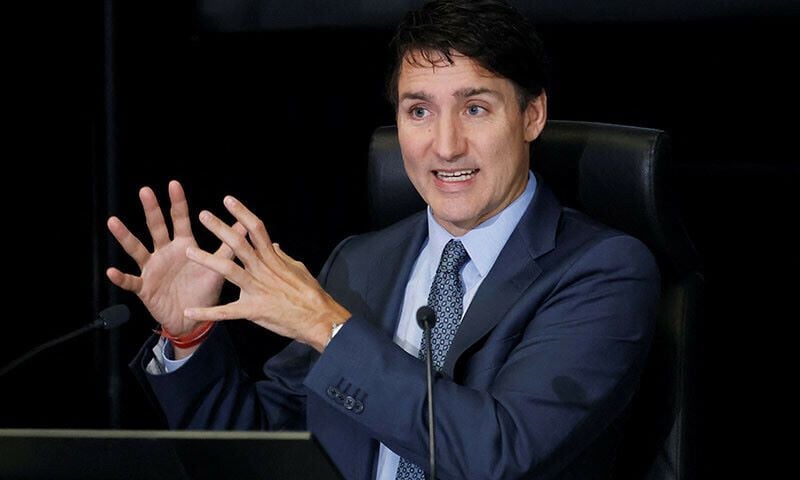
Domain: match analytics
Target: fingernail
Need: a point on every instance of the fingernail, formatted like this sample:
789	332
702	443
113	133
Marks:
188	312
205	215
229	201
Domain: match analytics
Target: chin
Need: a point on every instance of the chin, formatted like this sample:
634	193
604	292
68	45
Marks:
456	218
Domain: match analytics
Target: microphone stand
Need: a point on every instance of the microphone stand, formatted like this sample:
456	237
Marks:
111	317
426	317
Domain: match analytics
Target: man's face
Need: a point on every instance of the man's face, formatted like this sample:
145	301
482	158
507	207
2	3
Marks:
464	139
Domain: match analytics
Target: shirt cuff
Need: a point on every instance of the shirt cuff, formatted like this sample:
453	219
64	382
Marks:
162	362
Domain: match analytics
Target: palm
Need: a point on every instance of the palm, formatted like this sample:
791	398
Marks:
169	282
172	283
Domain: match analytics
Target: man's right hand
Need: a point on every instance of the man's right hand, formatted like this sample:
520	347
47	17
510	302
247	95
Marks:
168	281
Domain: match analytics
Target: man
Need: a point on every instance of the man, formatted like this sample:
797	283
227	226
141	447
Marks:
544	316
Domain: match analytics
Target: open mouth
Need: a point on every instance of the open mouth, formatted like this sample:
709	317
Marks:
456	175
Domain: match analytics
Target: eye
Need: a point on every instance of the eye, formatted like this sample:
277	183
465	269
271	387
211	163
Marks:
419	112
474	110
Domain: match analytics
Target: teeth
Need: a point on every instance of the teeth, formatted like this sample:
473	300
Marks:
457	176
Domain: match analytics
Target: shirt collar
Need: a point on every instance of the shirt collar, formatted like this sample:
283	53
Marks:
484	242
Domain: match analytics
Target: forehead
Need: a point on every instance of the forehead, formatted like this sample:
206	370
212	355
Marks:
432	71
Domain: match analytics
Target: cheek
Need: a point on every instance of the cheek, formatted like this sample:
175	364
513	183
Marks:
414	169
410	157
412	153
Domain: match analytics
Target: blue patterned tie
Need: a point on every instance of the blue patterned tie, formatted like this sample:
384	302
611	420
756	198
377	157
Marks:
446	298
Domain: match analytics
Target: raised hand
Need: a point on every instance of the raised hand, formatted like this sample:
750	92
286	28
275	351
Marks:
168	282
276	291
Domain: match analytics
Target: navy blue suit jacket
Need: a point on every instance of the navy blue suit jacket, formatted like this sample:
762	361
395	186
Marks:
545	361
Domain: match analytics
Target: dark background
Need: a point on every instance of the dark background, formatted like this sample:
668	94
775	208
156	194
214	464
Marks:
275	102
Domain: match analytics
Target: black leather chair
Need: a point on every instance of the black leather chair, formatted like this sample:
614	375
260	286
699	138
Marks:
618	175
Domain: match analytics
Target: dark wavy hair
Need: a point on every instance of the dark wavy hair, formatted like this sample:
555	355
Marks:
490	32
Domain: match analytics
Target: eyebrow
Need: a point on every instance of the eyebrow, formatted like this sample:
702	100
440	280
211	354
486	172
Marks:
415	96
462	93
474	92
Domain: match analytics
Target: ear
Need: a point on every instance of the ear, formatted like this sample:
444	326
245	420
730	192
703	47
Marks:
535	116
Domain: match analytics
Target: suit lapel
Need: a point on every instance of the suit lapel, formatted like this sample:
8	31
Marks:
391	273
513	272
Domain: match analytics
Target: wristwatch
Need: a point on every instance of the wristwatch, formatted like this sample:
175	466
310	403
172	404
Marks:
335	327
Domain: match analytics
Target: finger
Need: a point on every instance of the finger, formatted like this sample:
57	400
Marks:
239	229
283	255
132	246
213	314
224	250
299	268
179	210
154	217
240	246
225	267
124	281
255	228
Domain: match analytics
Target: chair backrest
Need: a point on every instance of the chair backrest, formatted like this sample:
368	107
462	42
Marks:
616	174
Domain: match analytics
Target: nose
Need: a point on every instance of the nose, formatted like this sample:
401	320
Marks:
449	142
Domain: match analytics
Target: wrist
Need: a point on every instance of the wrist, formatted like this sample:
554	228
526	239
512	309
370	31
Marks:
329	329
187	341
328	325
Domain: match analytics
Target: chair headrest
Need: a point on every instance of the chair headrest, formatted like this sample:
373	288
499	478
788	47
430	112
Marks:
614	173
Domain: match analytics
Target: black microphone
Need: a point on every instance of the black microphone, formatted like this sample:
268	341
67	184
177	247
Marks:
111	317
426	318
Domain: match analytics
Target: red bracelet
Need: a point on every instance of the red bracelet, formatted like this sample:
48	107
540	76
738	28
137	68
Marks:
190	339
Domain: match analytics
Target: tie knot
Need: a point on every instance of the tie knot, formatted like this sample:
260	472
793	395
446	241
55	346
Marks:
454	256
